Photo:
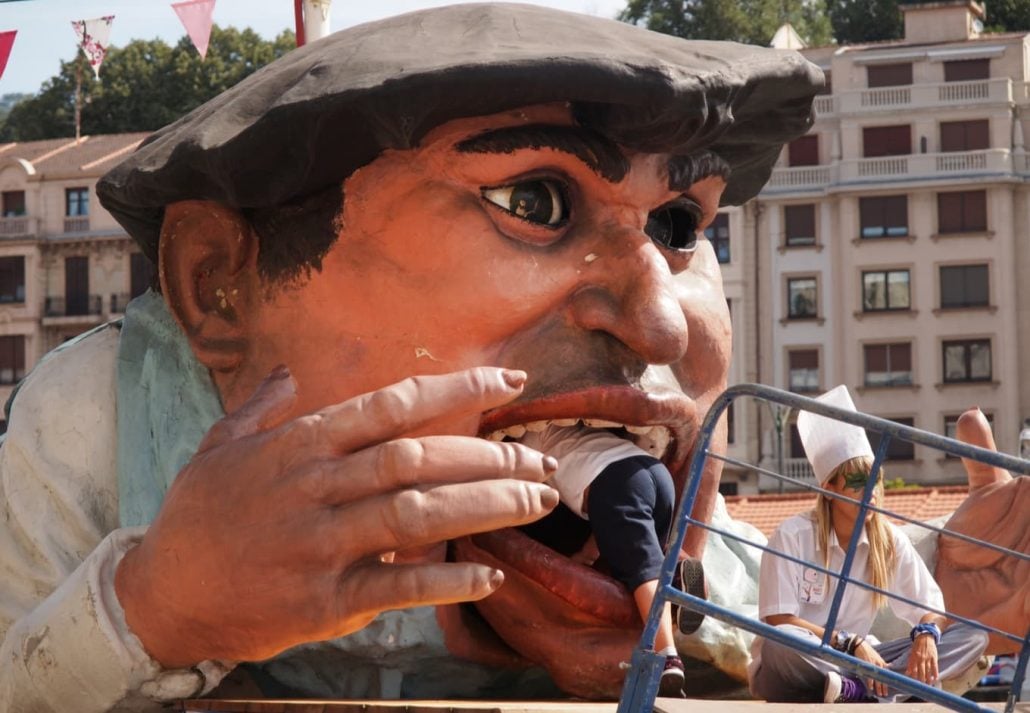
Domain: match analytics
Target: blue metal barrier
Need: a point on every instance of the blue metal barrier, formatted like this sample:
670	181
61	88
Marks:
641	685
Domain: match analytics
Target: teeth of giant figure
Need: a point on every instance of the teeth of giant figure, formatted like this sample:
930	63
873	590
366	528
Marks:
653	439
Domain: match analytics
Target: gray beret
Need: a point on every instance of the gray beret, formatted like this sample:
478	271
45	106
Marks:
313	117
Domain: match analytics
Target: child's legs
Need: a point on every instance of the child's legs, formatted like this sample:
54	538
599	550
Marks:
630	508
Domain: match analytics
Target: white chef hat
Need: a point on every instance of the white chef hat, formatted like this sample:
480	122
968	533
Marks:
827	442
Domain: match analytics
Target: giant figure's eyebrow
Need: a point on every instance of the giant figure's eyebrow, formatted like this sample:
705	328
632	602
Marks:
601	155
685	171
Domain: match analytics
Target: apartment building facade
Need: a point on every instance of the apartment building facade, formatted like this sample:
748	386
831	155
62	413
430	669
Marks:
895	251
65	264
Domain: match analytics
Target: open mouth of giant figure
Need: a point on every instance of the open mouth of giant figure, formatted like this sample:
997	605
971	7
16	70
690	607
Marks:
587	616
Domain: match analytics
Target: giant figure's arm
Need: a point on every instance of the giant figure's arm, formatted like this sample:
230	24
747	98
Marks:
65	645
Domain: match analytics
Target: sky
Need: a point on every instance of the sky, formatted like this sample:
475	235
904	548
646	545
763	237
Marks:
45	35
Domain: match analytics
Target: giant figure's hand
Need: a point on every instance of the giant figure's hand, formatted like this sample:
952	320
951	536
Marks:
277	532
977	582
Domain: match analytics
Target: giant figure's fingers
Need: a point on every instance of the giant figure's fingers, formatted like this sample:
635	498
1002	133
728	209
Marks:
403	408
375	587
410	462
267	408
422	516
972	428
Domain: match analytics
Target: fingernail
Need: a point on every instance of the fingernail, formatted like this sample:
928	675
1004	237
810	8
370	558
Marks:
279	372
549	498
550	464
496	580
514	378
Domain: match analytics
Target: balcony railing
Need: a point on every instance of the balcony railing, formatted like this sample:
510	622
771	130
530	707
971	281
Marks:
919	96
76	224
75	307
800	178
119	302
825	105
914	167
798	470
931	165
16	226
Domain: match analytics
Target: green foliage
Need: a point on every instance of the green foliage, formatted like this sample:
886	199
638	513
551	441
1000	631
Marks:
898	484
751	21
856	21
7	101
143	86
1007	15
819	22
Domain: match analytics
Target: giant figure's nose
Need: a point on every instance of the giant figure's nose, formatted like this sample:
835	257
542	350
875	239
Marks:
629	292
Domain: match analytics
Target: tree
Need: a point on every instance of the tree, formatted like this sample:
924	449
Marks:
857	21
1008	16
751	21
143	86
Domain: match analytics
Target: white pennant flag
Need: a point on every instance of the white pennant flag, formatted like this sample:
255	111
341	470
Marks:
93	38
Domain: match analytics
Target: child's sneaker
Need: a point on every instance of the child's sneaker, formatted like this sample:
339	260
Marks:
689	578
845	689
671	683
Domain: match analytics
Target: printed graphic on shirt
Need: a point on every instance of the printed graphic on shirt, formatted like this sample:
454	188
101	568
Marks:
812	588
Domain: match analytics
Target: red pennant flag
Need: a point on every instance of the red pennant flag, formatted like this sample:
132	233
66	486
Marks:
195	16
6	43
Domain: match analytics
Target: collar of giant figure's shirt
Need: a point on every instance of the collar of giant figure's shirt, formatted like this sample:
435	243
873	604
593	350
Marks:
166	403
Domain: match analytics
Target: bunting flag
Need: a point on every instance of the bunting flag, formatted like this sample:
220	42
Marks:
93	38
196	18
6	43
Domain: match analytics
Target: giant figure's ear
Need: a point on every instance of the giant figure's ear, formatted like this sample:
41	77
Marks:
207	262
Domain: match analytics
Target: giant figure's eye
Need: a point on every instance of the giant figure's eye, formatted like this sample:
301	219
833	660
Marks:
539	201
674	225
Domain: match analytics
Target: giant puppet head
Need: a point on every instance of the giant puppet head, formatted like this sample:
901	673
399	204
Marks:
478	185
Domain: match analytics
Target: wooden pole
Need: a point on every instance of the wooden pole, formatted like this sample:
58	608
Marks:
78	96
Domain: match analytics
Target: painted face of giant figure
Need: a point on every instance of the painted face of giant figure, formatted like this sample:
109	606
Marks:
520	230
517	240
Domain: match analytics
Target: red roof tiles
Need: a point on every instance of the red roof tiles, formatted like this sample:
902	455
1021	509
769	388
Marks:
766	512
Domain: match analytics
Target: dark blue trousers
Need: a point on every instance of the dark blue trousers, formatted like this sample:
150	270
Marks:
630	507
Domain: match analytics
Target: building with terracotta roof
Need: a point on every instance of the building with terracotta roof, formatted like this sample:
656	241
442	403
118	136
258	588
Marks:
65	264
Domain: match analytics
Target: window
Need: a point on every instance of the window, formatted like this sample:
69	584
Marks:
898	449
141	274
888	364
949	427
12	279
730	423
726	488
76	202
76	285
886	141
889	75
964	286
803	151
967	70
967	360
965	135
795	447
12	359
800	224
801	298
718	233
803	370
885	290
12	204
883	216
962	212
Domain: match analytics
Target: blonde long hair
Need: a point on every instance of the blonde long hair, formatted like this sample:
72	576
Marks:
881	543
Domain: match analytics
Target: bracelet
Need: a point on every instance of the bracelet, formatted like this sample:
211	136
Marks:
927	628
855	642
